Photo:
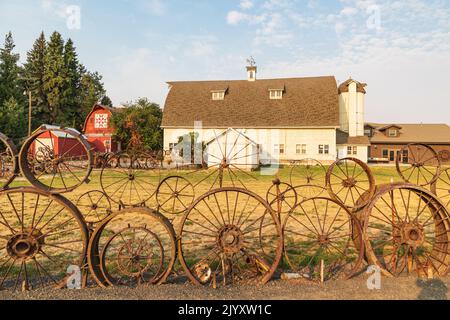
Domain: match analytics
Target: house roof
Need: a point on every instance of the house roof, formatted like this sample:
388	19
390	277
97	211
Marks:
307	102
413	133
342	138
360	87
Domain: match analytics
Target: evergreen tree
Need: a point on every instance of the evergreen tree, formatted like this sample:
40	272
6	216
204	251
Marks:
54	75
71	114
106	101
13	120
34	70
92	90
9	72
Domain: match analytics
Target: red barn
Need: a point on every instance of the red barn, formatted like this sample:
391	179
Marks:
99	130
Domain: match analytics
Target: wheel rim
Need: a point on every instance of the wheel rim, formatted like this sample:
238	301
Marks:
406	231
350	181
282	197
8	161
41	236
56	168
94	206
423	165
175	195
322	240
219	239
144	233
310	174
441	187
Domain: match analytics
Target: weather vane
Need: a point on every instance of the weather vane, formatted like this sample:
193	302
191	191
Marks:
251	61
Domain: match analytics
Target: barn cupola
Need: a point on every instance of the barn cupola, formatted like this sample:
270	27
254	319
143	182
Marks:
351	107
251	70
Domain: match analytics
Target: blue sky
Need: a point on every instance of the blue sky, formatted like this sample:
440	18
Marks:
401	49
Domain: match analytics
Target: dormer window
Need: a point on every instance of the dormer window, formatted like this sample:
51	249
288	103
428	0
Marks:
393	133
218	95
276	94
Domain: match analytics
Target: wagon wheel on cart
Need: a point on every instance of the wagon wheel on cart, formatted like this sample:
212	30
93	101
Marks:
219	241
56	160
441	187
310	174
41	235
423	166
132	247
128	185
347	180
281	197
322	240
8	161
174	195
407	230
94	206
228	160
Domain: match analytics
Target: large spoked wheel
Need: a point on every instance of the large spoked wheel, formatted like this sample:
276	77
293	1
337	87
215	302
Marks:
350	182
132	247
310	174
127	184
441	187
8	161
94	206
420	164
322	240
56	160
174	195
219	241
41	236
407	231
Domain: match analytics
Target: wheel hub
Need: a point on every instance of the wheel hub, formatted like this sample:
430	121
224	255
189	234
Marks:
25	246
323	239
349	183
230	239
131	177
411	234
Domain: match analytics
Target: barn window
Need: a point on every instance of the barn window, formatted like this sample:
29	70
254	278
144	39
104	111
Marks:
301	149
324	149
279	149
218	95
276	94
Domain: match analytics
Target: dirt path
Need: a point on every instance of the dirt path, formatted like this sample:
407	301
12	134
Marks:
356	289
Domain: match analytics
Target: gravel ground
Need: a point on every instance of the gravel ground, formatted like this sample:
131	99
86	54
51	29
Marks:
408	288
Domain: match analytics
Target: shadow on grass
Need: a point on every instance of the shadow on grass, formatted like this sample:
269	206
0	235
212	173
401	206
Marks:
432	289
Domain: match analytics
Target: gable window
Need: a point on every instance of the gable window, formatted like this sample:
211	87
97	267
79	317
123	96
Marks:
218	95
393	133
276	94
324	149
352	150
301	149
278	149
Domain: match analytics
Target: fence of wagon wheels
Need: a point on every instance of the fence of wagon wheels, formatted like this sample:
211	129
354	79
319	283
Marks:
320	223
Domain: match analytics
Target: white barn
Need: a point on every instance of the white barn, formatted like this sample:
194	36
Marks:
287	119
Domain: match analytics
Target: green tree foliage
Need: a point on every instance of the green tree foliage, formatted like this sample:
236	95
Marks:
146	118
10	86
13	120
92	90
34	70
106	101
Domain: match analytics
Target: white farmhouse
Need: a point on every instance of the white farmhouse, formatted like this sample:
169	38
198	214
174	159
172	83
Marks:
289	119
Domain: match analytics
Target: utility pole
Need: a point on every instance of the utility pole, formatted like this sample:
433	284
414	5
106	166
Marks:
29	112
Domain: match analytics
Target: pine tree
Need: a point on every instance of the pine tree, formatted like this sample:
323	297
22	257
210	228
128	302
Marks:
70	104
13	121
34	70
92	90
106	101
54	75
9	72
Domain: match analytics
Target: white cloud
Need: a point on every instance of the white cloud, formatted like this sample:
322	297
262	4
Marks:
246	4
235	17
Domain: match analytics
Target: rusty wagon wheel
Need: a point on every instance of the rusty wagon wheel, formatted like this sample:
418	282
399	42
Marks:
175	195
322	240
128	185
132	247
306	192
8	161
310	174
441	187
347	180
422	167
219	241
407	230
41	236
94	206
281	197
56	160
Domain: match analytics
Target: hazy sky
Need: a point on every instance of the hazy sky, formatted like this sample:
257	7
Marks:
401	49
